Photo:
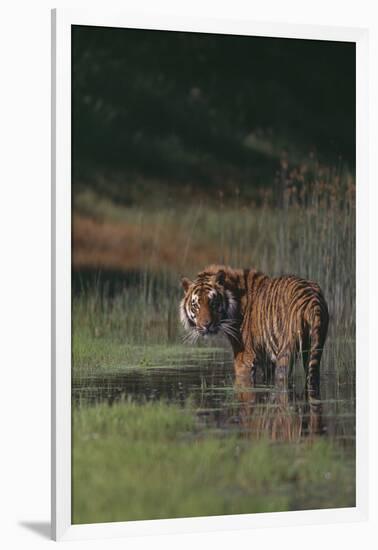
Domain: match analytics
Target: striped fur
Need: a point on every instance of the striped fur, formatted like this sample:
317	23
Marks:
266	320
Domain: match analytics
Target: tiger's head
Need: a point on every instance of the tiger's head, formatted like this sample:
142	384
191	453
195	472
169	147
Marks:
207	307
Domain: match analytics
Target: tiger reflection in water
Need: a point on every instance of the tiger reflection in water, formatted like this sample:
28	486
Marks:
276	413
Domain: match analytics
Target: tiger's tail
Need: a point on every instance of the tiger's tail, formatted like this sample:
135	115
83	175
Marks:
318	327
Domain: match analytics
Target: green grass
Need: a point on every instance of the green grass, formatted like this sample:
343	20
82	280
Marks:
105	355
135	462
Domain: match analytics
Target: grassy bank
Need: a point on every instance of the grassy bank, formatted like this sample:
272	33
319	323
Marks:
107	356
132	462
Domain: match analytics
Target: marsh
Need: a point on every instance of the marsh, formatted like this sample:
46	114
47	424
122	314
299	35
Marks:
223	150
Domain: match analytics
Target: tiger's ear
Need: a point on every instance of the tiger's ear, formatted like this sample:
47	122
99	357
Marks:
185	283
220	277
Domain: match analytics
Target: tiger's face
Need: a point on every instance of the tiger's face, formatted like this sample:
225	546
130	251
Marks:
207	307
203	309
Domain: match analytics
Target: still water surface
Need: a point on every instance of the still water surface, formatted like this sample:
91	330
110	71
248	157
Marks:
223	404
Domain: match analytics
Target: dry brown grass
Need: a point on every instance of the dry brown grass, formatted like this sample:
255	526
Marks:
103	244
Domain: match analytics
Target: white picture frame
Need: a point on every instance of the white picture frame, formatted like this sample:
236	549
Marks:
62	20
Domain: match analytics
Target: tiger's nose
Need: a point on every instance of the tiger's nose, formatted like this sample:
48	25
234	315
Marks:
206	324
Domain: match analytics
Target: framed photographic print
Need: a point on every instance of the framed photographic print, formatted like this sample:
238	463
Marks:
209	270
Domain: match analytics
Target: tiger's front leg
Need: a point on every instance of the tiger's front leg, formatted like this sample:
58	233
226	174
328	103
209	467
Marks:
245	366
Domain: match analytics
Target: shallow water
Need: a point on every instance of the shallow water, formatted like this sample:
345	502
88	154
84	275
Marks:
224	404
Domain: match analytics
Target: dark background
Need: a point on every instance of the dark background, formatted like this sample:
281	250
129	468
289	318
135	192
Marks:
206	110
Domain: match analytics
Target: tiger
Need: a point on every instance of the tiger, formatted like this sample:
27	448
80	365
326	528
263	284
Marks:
265	319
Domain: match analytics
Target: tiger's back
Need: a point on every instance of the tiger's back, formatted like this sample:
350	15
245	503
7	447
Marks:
282	315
